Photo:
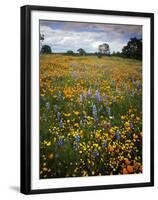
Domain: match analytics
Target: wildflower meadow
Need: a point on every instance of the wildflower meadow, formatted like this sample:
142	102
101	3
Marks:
90	116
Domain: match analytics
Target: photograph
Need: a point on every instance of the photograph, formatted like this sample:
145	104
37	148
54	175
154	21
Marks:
90	99
87	99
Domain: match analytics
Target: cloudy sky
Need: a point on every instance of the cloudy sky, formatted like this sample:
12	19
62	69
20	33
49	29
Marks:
63	36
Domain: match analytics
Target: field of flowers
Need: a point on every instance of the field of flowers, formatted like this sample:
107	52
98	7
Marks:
90	116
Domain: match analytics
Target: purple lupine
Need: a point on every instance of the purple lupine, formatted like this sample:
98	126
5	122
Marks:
85	118
77	138
58	116
104	144
139	86
60	123
94	112
73	64
89	93
95	153
131	125
117	135
81	97
60	142
97	95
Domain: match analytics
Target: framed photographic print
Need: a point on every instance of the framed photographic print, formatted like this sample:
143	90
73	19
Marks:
87	99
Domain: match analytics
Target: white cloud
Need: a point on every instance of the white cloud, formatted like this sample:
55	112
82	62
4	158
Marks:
69	37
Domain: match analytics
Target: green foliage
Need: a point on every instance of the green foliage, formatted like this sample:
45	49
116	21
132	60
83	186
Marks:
133	49
70	52
104	49
81	52
117	54
46	49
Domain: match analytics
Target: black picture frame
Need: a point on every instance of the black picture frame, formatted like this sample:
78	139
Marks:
26	98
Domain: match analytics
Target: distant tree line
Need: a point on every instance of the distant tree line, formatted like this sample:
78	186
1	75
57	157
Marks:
133	50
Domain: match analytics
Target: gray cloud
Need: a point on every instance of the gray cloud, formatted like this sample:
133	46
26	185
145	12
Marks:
63	36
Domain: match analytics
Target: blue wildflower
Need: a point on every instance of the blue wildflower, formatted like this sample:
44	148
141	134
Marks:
77	138
60	142
97	95
139	86
95	153
131	125
117	135
81	97
95	117
85	118
58	116
104	144
60	123
89	92
94	112
73	65
94	109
